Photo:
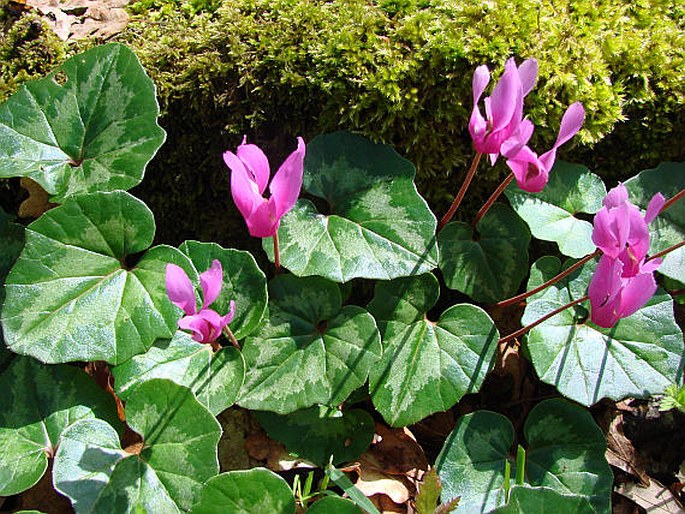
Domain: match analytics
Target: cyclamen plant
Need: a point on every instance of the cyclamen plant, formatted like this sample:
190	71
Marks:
308	357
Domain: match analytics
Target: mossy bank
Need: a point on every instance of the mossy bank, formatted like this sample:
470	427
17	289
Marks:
398	72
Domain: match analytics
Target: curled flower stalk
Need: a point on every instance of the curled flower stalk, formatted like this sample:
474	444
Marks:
205	324
250	175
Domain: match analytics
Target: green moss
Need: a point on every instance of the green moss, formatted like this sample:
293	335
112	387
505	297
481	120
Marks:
29	49
398	71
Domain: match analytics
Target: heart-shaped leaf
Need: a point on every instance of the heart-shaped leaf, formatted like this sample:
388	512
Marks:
71	295
541	500
334	505
376	226
90	125
426	366
550	214
37	404
640	356
668	228
243	282
565	453
178	454
255	491
488	266
310	351
318	433
215	378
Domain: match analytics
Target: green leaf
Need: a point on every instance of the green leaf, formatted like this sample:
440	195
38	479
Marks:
541	500
243	282
178	455
550	214
565	452
90	125
256	491
669	227
426	366
318	433
310	351
376	225
490	266
641	355
214	378
38	403
334	505
343	482
71	295
429	493
471	462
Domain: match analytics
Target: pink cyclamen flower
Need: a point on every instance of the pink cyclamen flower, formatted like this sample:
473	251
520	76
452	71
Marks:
503	109
623	280
531	171
620	230
616	294
250	174
206	324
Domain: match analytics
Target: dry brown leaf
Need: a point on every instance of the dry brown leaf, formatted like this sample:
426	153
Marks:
655	499
620	451
386	506
78	19
37	202
373	481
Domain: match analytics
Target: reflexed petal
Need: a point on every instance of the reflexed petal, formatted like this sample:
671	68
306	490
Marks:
610	232
517	141
243	188
636	292
570	123
229	316
287	182
604	291
481	78
211	282
528	75
654	208
179	289
505	97
256	163
616	196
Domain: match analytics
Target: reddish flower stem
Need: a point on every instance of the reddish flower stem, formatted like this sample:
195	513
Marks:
277	255
525	329
667	250
494	196
515	299
461	193
677	197
228	333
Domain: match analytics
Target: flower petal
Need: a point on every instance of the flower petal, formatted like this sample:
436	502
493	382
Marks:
636	292
229	316
481	78
244	189
263	221
528	75
179	289
211	282
505	97
654	208
287	182
604	290
197	325
256	163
